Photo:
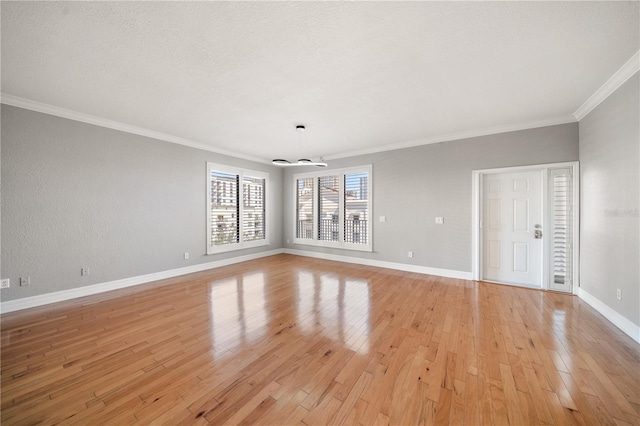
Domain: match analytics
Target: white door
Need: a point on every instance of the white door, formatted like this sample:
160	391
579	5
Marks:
512	228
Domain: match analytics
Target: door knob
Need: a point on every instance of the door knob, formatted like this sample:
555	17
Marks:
537	234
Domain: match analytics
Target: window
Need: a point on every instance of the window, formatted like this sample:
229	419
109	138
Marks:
304	208
328	202
333	208
561	226
356	202
254	208
236	208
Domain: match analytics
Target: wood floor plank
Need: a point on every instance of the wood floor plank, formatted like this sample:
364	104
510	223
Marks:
443	410
472	400
511	396
485	412
262	399
617	397
527	408
537	393
294	340
498	403
287	402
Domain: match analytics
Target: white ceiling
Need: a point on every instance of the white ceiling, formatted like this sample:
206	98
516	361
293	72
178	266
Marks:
363	77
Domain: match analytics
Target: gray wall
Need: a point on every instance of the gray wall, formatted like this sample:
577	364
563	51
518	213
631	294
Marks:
610	201
412	186
76	195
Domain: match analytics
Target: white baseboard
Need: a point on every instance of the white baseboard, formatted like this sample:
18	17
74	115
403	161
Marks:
618	320
463	275
59	296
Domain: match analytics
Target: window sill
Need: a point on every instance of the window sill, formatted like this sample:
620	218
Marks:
236	247
335	245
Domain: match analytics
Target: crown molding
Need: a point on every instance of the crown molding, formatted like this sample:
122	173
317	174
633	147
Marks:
116	125
459	135
618	79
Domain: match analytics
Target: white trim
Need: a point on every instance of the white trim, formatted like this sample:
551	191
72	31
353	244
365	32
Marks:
448	273
476	196
332	172
618	79
530	287
124	127
576	230
554	121
628	327
618	320
546	242
60	296
116	125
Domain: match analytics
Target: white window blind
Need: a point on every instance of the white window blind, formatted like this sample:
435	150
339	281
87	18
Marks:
304	208
237	208
561	200
224	208
328	208
253	208
333	208
356	211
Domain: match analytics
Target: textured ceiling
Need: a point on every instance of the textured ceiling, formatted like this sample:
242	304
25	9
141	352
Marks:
238	76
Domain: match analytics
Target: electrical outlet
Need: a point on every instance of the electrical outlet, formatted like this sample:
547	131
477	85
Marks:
25	281
5	283
439	220
383	218
288	241
186	255
619	294
410	254
84	271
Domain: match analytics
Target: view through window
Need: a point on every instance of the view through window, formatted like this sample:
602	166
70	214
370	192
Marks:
333	208
236	212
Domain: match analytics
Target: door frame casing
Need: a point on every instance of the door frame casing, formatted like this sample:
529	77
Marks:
476	217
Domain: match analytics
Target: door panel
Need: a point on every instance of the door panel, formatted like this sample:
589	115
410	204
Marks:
494	255
521	257
521	215
495	214
512	213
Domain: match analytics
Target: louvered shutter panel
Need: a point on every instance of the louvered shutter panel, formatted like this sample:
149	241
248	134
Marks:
304	208
253	209
356	212
225	223
328	208
561	227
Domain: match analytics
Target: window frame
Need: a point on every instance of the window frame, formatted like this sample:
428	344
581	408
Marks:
340	244
241	173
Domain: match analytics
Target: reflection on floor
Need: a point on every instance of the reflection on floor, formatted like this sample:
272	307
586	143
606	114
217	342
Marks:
293	340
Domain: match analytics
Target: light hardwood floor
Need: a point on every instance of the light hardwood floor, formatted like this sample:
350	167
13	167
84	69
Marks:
293	340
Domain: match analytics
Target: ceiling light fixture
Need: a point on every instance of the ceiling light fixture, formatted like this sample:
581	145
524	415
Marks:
301	162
